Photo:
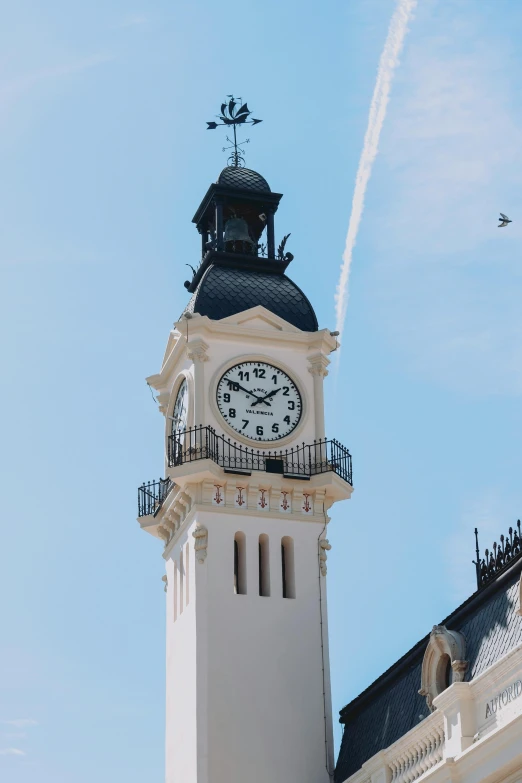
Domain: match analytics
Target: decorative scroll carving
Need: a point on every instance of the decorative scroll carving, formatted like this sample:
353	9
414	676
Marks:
324	547
445	649
200	535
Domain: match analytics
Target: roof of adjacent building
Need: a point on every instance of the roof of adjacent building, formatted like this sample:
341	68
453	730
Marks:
391	706
225	291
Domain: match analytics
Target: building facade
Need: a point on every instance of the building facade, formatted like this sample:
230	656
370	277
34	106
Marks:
243	508
451	708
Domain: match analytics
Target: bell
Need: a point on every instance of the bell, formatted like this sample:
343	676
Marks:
236	237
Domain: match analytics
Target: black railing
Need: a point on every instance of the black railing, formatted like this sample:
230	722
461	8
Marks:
322	456
152	495
499	558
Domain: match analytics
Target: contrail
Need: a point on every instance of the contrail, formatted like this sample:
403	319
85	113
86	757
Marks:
381	95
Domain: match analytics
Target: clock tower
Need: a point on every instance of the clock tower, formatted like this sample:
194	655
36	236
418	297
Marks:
243	509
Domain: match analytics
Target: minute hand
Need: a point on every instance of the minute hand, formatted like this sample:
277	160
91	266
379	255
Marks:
258	399
264	399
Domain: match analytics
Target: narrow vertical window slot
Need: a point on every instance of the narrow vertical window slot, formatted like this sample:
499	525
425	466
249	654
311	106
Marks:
264	565
288	567
181	580
240	564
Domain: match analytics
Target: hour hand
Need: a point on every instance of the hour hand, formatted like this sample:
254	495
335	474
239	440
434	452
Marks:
264	399
238	386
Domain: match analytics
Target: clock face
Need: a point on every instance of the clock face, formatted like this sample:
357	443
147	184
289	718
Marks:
180	410
259	401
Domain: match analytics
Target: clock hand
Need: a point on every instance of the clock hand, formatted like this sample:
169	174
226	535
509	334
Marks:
263	399
258	399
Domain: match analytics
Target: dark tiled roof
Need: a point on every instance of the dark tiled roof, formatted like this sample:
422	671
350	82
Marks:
391	706
224	291
245	179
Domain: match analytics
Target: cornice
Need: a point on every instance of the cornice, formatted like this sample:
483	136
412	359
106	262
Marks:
234	328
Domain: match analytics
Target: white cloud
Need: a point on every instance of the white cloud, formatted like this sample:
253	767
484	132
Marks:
14	88
20	723
134	20
11	752
448	281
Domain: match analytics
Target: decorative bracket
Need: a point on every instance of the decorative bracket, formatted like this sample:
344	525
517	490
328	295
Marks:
200	535
324	547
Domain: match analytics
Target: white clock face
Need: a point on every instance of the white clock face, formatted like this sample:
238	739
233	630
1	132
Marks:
180	410
259	401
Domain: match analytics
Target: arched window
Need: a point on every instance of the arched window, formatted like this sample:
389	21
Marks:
443	662
264	565
287	566
240	564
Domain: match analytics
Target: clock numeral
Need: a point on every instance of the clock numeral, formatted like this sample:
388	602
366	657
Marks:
232	413
245	423
275	427
259	430
291	405
226	397
274	378
286	389
233	386
259	372
244	376
287	420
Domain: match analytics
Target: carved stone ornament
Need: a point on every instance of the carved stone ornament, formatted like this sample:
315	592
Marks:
444	662
165	580
197	350
200	535
318	364
324	547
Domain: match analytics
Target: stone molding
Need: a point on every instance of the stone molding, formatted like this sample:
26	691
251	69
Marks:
443	645
324	547
200	535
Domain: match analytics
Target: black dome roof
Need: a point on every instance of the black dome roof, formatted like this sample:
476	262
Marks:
224	291
246	179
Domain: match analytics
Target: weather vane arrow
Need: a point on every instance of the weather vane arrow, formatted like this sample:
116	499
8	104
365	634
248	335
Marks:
231	115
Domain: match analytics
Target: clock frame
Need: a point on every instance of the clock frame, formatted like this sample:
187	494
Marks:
254	440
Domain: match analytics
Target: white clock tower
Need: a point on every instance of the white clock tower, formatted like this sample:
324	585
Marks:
242	512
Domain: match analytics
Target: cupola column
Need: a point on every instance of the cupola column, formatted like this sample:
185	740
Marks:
219	225
318	364
270	240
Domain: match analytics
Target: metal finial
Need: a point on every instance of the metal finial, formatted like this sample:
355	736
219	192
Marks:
230	115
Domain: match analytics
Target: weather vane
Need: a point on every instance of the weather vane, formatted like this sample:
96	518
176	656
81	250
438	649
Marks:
232	116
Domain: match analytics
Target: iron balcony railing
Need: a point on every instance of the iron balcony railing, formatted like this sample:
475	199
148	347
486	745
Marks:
152	495
304	461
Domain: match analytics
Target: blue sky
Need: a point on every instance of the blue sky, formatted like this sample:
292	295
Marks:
104	158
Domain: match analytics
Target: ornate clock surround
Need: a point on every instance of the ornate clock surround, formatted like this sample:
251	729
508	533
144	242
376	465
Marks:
268	445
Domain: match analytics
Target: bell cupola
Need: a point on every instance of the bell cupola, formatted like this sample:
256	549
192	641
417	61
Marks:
240	266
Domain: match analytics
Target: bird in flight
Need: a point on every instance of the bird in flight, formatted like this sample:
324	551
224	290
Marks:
504	220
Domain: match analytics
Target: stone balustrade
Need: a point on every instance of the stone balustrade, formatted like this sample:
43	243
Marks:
411	757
